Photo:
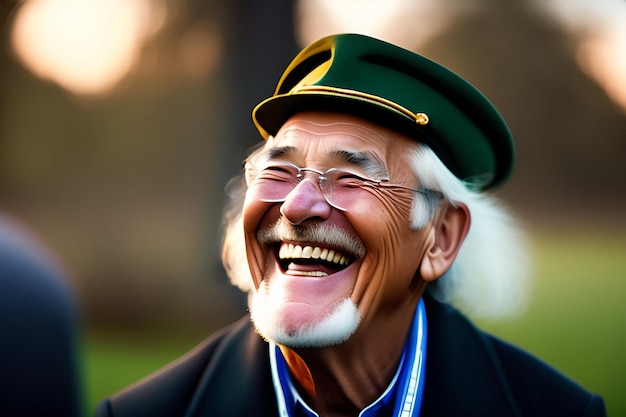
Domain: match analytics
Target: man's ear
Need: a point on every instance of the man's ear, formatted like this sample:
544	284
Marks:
444	241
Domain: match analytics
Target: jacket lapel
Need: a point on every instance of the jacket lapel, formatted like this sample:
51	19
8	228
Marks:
237	381
463	374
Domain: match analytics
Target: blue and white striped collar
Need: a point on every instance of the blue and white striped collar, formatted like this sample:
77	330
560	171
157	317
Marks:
403	395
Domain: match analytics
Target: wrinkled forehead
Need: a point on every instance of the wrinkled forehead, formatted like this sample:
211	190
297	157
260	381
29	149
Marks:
338	130
325	137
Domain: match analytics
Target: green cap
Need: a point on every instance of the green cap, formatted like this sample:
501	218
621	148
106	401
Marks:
399	89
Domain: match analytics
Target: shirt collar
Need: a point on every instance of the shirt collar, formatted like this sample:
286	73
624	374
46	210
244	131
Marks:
403	396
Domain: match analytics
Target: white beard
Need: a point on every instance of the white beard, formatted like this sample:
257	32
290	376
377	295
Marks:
333	329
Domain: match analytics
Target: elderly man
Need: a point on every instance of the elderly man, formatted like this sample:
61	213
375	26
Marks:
353	212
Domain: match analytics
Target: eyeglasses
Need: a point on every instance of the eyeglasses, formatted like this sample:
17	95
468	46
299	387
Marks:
339	187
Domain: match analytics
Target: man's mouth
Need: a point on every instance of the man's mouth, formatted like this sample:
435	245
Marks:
309	260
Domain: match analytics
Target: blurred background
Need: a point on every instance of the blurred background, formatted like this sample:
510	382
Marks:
122	121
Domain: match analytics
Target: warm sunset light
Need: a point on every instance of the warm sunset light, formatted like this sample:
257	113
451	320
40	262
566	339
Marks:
391	20
601	51
604	58
86	46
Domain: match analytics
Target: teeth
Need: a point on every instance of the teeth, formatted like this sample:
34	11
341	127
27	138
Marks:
309	273
291	251
284	251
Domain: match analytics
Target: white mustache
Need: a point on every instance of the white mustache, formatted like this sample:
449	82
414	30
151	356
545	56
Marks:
320	234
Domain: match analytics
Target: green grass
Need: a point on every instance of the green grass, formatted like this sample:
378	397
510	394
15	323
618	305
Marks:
577	318
113	362
576	322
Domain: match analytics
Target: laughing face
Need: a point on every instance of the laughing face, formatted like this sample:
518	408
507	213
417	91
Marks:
329	255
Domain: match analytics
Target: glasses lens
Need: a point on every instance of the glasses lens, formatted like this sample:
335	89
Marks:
343	187
275	182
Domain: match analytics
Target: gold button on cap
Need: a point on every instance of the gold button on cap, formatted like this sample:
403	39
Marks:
421	119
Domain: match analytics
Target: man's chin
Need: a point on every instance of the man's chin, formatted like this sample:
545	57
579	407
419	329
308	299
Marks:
333	329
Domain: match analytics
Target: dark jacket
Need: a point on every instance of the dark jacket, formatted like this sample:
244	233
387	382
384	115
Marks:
468	373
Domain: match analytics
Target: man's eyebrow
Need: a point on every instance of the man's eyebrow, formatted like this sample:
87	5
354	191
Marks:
277	152
369	162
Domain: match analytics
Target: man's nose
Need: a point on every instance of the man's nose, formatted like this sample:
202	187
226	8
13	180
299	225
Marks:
306	201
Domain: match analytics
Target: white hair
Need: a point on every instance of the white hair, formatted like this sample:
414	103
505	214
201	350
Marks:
490	277
234	256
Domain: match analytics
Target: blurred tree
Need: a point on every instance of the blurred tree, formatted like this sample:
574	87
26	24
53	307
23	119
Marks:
6	8
259	41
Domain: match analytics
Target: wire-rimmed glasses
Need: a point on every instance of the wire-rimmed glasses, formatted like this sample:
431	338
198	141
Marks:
340	187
